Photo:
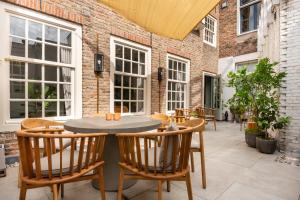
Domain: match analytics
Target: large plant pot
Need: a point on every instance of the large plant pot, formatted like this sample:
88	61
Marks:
267	146
250	139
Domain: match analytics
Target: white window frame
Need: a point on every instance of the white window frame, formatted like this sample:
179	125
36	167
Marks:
7	10
214	44
245	64
239	17
187	82
147	93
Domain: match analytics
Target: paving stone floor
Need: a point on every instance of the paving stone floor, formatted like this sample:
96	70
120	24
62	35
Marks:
234	172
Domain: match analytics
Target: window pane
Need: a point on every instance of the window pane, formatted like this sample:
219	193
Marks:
117	93
17	70
127	67
117	107
17	109
133	82
142	69
34	109
51	34
50	91
17	90
34	49
127	53
133	107
64	74
140	83
65	108
133	94
126	94
135	55
126	81
34	90
65	55
65	91
119	51
249	17
34	71
135	68
141	94
35	30
50	73
118	80
142	57
65	38
17	47
125	107
50	108
141	107
170	74
17	26
119	65
50	52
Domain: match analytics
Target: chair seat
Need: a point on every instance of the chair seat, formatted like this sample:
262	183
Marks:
56	163
210	116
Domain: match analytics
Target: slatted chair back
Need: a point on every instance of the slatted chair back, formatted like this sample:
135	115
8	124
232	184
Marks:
32	123
200	112
170	160
62	166
195	124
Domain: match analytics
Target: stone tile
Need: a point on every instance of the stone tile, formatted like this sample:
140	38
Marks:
239	191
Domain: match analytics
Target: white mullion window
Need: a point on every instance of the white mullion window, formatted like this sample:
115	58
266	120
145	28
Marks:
130	77
248	15
210	31
39	84
177	84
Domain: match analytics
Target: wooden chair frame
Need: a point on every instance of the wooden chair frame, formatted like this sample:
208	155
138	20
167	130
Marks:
33	177
176	169
209	114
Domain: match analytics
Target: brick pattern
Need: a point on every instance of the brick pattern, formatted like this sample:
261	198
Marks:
290	91
97	18
230	43
9	139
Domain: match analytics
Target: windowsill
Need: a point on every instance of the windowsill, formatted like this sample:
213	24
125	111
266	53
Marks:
245	33
210	44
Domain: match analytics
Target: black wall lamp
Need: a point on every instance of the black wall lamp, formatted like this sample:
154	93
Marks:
98	63
160	74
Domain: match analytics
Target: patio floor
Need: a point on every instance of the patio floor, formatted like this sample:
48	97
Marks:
234	171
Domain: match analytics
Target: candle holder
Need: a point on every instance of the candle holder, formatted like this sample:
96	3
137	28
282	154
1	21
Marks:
109	116
117	116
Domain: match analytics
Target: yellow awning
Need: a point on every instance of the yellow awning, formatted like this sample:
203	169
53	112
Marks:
170	18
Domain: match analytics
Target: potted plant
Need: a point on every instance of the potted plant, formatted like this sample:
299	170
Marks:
266	83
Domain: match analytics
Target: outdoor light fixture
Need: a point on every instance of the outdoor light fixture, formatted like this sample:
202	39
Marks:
224	4
160	73
98	63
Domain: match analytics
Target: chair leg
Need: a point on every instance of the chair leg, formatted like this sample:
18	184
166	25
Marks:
189	185
62	192
55	192
23	190
121	181
101	182
192	161
168	186
215	124
203	171
159	190
20	174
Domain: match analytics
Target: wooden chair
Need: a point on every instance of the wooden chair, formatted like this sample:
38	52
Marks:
62	167
166	163
165	120
197	146
209	114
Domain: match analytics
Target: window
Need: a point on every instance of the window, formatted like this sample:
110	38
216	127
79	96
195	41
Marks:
210	31
250	65
177	86
130	78
41	75
249	11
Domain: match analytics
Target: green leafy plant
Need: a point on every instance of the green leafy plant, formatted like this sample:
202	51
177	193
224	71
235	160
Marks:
257	93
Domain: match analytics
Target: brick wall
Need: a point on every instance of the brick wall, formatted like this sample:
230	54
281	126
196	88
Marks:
96	18
230	43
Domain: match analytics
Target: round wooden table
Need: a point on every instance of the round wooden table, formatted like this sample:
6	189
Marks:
127	124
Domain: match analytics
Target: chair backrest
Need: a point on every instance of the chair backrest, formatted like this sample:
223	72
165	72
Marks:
133	158
31	123
198	124
73	165
200	111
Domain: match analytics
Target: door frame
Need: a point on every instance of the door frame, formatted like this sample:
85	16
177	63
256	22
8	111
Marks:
205	73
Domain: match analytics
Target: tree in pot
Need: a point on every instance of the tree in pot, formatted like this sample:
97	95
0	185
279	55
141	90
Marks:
266	84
